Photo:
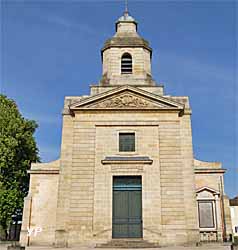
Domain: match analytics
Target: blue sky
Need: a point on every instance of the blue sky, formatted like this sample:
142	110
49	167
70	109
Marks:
51	49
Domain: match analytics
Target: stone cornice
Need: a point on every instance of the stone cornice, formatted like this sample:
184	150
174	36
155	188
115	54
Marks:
187	111
45	168
210	170
43	171
131	42
127	160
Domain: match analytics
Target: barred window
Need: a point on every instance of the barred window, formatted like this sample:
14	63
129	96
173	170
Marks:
127	142
126	64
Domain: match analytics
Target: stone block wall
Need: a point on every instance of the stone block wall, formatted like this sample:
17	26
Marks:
40	205
82	183
107	145
83	199
167	217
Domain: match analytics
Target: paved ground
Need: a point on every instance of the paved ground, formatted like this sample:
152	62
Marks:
164	248
203	247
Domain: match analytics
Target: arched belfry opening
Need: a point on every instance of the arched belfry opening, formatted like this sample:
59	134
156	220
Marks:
126	64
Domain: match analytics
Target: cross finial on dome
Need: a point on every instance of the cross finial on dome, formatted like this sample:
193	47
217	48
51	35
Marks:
126	6
126	18
126	12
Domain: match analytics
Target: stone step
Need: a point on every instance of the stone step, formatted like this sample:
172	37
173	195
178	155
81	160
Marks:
128	243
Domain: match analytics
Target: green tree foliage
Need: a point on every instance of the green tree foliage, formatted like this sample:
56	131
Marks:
17	150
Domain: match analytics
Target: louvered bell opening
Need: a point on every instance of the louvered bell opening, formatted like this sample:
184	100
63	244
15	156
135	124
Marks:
126	64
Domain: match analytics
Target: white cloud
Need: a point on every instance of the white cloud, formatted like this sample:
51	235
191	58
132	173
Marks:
67	23
195	68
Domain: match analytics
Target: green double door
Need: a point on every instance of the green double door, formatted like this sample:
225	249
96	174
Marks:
127	207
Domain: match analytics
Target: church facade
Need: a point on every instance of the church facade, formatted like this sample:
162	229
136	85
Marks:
126	168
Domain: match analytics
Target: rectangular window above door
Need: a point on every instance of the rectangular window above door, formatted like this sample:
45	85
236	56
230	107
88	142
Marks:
126	142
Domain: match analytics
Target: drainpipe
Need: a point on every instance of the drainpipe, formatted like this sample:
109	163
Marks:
29	223
223	211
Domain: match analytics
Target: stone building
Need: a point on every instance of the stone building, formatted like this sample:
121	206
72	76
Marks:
126	168
234	215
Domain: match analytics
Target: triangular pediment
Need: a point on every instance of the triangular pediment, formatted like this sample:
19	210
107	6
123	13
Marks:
126	97
207	190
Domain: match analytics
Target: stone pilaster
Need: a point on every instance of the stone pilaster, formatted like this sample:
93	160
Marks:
187	171
62	216
171	182
82	183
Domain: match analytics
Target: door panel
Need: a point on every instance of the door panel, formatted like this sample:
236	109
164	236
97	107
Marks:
135	211
120	212
127	207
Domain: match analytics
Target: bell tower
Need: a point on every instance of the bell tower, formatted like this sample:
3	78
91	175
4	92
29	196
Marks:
126	57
